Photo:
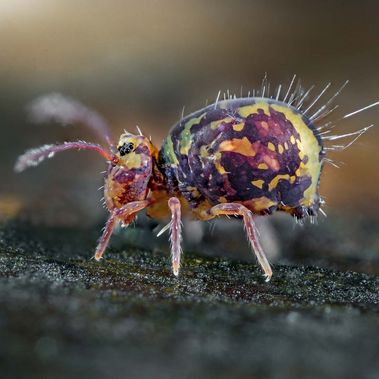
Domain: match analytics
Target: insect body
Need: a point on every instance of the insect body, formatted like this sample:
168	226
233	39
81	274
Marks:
239	156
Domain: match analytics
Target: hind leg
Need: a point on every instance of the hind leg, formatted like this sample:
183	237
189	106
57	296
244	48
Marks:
240	210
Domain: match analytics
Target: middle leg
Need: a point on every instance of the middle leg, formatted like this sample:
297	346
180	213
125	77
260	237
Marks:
176	233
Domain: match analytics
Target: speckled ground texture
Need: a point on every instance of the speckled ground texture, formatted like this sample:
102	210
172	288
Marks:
62	315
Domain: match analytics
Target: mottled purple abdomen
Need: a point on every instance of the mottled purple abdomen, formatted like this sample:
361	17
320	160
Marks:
255	151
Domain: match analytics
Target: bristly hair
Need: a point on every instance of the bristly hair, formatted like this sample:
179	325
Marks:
300	98
314	108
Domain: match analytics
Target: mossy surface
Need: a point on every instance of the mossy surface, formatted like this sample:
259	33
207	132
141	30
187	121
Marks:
64	315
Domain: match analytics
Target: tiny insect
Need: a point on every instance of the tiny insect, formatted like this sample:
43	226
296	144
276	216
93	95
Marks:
240	156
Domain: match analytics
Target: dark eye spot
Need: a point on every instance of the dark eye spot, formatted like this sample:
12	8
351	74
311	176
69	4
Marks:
126	148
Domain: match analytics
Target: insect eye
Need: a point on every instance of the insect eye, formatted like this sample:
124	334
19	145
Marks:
126	148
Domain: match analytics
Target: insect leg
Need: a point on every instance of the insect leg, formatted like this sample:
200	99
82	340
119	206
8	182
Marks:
240	210
175	233
122	214
65	110
105	237
34	157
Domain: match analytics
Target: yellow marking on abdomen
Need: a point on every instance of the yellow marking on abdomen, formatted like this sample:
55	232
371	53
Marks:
169	150
251	109
309	146
242	146
258	183
262	166
218	165
259	204
220	168
271	146
185	136
274	182
215	124
238	127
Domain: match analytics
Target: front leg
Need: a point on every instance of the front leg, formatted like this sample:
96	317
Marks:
241	210
120	214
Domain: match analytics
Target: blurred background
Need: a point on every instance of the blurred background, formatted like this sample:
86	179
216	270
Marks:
139	63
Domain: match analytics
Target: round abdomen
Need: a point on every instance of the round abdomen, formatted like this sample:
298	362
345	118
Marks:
258	152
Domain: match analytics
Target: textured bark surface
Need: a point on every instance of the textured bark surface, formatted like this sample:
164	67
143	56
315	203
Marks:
65	315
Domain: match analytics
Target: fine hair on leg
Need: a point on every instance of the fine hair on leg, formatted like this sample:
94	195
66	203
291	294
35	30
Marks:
175	233
251	230
122	214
